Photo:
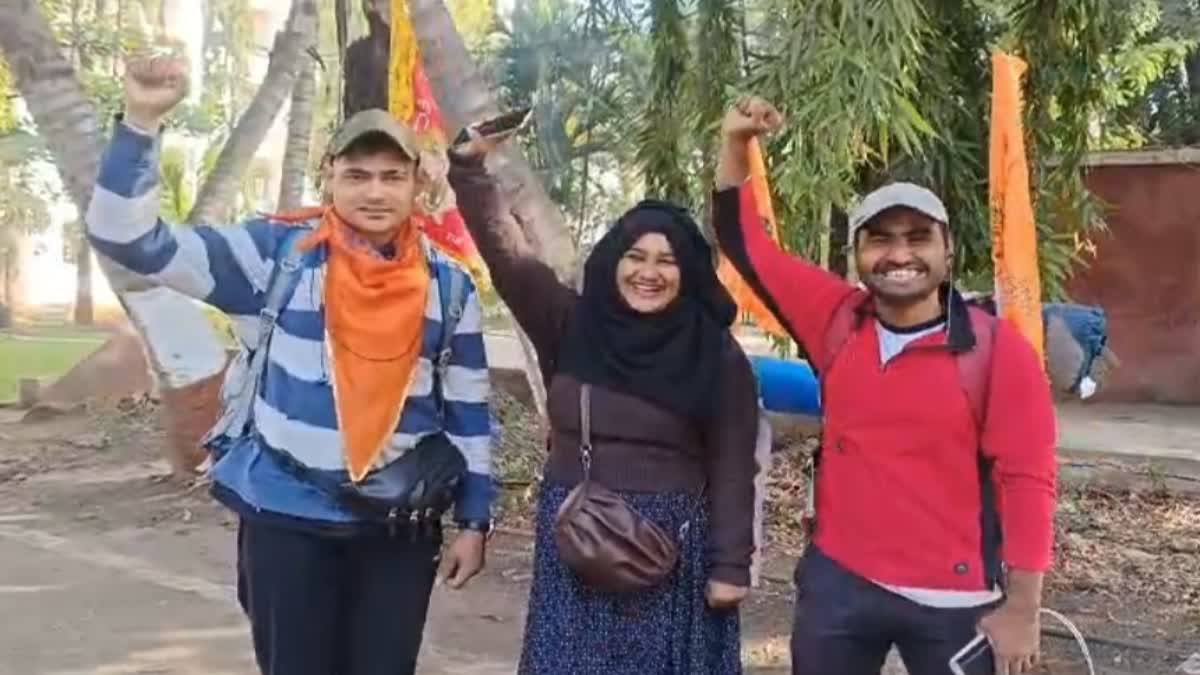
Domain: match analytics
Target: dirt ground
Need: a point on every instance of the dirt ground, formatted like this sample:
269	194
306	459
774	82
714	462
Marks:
109	566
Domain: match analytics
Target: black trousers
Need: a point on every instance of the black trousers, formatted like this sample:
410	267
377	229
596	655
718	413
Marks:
335	606
846	625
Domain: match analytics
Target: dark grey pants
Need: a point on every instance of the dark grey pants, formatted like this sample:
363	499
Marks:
845	624
334	606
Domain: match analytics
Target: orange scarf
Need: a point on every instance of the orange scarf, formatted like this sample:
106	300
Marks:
374	321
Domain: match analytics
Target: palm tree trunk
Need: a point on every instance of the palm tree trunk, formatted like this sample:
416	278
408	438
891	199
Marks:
81	60
300	122
8	261
464	97
183	348
287	57
85	313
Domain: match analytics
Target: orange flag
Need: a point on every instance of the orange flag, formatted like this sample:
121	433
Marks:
1014	232
747	301
410	98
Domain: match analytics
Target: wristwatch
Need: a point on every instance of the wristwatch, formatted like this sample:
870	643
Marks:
484	527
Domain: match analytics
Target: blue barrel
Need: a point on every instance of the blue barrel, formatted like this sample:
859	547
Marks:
787	386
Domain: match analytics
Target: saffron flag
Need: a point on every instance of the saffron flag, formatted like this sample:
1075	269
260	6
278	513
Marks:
747	301
1014	233
410	99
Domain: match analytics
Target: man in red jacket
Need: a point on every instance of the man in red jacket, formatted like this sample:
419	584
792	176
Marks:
934	501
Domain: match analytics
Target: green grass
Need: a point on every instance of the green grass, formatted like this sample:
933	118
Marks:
42	356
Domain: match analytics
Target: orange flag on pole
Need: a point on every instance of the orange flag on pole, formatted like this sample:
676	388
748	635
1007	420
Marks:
747	301
1014	232
410	98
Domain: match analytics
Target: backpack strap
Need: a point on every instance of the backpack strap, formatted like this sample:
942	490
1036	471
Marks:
285	276
975	376
452	287
841	327
975	364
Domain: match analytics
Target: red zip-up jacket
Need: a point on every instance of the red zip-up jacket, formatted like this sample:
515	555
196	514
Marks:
900	499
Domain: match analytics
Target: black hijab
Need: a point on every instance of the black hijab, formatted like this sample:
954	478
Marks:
672	357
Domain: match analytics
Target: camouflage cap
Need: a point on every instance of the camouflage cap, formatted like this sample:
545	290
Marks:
375	121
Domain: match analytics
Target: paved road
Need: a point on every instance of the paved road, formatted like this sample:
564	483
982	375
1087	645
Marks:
74	605
160	601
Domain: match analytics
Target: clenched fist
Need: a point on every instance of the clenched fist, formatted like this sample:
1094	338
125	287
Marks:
750	116
154	84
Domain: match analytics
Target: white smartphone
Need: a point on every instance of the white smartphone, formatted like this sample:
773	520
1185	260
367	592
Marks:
975	650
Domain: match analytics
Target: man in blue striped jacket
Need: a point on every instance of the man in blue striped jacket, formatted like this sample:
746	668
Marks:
326	589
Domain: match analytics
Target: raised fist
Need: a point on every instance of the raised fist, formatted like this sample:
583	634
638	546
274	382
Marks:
750	116
154	84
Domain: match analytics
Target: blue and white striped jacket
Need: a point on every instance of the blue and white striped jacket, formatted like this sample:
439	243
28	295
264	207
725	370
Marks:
229	268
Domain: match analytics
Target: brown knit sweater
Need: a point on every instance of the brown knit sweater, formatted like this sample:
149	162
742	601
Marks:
639	447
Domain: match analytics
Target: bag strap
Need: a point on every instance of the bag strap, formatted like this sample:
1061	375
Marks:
841	327
974	376
451	287
585	428
452	296
975	364
837	334
285	276
585	455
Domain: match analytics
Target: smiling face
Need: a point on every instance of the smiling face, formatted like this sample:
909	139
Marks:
903	257
648	275
374	188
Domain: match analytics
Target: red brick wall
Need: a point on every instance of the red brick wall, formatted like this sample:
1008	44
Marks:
1146	276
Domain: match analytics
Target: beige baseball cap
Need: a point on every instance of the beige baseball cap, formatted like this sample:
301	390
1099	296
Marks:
375	121
908	195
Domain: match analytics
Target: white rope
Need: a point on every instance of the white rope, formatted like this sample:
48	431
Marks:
957	669
1079	640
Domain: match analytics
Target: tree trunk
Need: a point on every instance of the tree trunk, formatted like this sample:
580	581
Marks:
1192	65
299	138
8	260
464	97
83	262
85	311
287	56
183	348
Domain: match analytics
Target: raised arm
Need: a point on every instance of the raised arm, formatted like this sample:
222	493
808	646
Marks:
800	294
538	301
731	468
227	267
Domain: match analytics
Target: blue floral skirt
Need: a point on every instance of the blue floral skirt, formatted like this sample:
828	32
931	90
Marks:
573	629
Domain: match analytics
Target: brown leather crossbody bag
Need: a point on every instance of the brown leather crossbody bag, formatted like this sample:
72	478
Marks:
600	537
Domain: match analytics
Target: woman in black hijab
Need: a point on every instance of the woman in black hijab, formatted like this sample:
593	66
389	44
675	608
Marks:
673	415
652	309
